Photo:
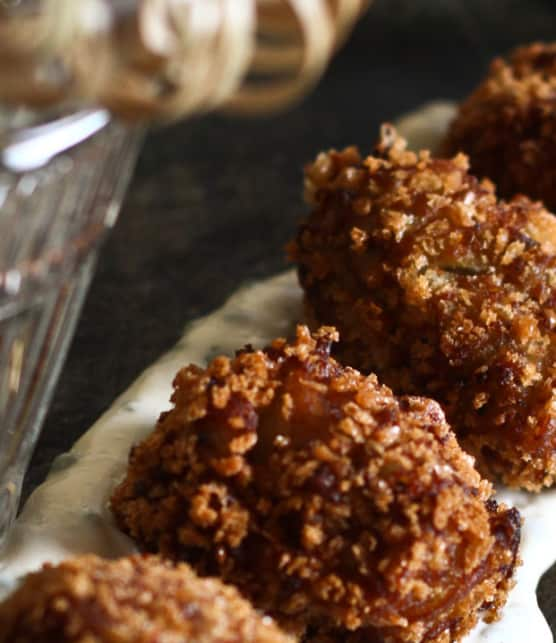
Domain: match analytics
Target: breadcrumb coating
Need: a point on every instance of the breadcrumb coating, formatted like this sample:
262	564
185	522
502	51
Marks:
442	290
140	599
508	124
344	512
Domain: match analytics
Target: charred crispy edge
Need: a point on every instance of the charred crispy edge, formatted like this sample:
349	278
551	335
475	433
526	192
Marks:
506	526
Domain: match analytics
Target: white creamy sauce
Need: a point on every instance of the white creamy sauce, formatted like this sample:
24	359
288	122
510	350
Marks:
68	513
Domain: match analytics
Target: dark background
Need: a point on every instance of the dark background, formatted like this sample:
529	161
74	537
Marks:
214	200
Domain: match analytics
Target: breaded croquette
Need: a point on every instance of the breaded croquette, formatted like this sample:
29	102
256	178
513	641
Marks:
443	291
140	599
507	125
342	511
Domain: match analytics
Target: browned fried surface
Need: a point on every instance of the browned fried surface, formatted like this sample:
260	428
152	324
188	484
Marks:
442	291
508	125
136	599
346	513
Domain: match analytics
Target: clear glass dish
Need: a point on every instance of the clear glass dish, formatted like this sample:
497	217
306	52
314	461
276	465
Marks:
52	221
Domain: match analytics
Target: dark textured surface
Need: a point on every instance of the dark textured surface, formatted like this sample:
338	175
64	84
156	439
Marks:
213	201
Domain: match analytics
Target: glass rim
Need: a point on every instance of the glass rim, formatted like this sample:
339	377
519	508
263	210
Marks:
30	140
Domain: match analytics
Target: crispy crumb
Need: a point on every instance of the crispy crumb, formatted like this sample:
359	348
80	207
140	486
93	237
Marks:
140	598
508	124
454	302
350	515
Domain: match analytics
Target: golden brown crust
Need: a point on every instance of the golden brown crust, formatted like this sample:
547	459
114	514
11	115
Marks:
507	126
141	599
331	504
442	291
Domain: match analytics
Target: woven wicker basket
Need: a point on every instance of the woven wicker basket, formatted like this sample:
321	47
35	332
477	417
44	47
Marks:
168	58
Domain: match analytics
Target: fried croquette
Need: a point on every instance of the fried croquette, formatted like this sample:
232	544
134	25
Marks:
443	291
139	599
345	513
507	126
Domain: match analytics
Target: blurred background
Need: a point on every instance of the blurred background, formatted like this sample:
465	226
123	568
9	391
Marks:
214	199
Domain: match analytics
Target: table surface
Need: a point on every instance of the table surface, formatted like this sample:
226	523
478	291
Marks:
214	200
